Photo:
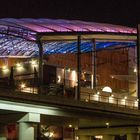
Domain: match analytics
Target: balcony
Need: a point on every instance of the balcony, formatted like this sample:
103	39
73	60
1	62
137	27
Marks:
59	91
88	95
60	82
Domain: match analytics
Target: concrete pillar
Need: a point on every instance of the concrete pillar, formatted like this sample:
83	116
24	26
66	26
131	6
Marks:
3	138
3	133
26	128
132	136
26	131
108	137
84	138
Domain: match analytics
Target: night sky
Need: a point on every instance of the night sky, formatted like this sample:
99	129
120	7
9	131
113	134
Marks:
124	12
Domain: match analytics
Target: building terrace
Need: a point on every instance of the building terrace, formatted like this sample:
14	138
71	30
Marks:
58	74
70	58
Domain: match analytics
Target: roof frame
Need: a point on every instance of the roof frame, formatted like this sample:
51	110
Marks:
30	29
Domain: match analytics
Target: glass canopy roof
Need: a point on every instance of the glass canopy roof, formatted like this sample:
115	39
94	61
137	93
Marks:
21	47
28	28
18	36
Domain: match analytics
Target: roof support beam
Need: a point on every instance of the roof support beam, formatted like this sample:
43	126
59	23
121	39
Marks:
138	64
78	67
40	69
94	63
88	36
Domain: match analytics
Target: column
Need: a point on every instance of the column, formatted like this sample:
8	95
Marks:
26	131
132	136
79	67
3	138
138	63
93	66
3	133
108	137
64	82
84	137
26	126
40	69
11	78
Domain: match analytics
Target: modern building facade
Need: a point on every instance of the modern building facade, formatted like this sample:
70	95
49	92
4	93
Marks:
70	80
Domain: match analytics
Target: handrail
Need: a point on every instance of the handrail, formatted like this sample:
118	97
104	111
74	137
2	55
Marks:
86	96
120	102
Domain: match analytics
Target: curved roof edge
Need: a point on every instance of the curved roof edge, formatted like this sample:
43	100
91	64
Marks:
29	27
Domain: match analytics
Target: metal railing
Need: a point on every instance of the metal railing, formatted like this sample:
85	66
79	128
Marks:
90	97
120	102
66	91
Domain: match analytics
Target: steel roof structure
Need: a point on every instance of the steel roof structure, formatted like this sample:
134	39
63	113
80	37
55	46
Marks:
18	37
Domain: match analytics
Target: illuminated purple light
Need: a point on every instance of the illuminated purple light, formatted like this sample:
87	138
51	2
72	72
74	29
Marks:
56	28
32	26
36	27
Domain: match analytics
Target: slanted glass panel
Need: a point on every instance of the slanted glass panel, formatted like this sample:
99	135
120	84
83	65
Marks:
51	25
36	27
12	46
87	26
27	27
86	46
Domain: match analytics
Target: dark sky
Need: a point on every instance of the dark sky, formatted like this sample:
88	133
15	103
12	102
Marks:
125	12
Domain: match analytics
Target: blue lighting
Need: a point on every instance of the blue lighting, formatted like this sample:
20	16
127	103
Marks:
86	46
12	46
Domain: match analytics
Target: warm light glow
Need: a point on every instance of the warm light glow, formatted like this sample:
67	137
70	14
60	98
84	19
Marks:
5	68
51	134
95	97
98	137
19	67
70	125
111	99
112	95
98	93
86	100
22	85
125	97
136	103
107	89
135	70
74	78
68	70
46	134
34	62
59	79
107	123
77	138
123	101
92	81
